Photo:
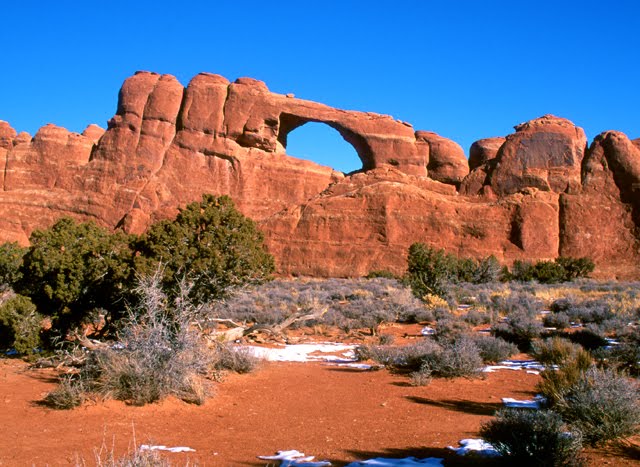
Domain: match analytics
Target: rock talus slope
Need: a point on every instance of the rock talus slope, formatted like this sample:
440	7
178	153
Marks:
538	193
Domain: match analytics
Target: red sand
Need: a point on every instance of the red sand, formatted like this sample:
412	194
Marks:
333	413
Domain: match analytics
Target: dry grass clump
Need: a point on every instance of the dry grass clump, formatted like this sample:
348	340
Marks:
555	383
555	351
158	354
494	349
347	304
137	458
428	358
603	404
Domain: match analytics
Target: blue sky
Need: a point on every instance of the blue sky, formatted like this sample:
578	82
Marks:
464	69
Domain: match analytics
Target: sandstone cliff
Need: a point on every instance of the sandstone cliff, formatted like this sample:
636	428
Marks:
538	193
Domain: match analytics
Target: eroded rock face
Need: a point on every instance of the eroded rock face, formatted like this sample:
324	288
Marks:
545	153
483	151
535	194
447	162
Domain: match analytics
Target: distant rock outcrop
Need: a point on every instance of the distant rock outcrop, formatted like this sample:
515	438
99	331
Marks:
538	193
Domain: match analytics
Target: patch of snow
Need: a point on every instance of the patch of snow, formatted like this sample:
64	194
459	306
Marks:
148	447
357	366
535	403
478	446
295	458
464	306
303	353
406	462
515	365
533	372
427	331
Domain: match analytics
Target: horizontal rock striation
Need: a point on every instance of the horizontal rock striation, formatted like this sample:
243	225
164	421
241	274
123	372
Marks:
538	193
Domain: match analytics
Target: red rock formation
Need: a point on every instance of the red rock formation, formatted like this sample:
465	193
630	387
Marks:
446	160
545	153
536	194
483	151
603	218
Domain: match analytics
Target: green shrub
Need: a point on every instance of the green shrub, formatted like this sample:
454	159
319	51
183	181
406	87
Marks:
430	270
521	271
477	271
465	270
20	325
549	272
603	405
210	244
487	270
562	269
381	273
73	268
533	437
576	267
10	262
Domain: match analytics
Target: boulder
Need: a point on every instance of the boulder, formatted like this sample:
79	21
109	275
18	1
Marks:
545	153
484	150
447	162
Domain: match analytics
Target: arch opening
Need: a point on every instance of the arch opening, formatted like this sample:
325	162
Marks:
324	143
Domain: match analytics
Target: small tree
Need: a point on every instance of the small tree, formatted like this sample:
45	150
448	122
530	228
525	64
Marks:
430	270
210	244
562	269
10	261
576	267
487	270
20	325
549	272
72	268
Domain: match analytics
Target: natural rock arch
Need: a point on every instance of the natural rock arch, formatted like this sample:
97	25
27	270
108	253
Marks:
289	123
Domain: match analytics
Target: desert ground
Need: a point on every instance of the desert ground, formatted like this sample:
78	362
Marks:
335	413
